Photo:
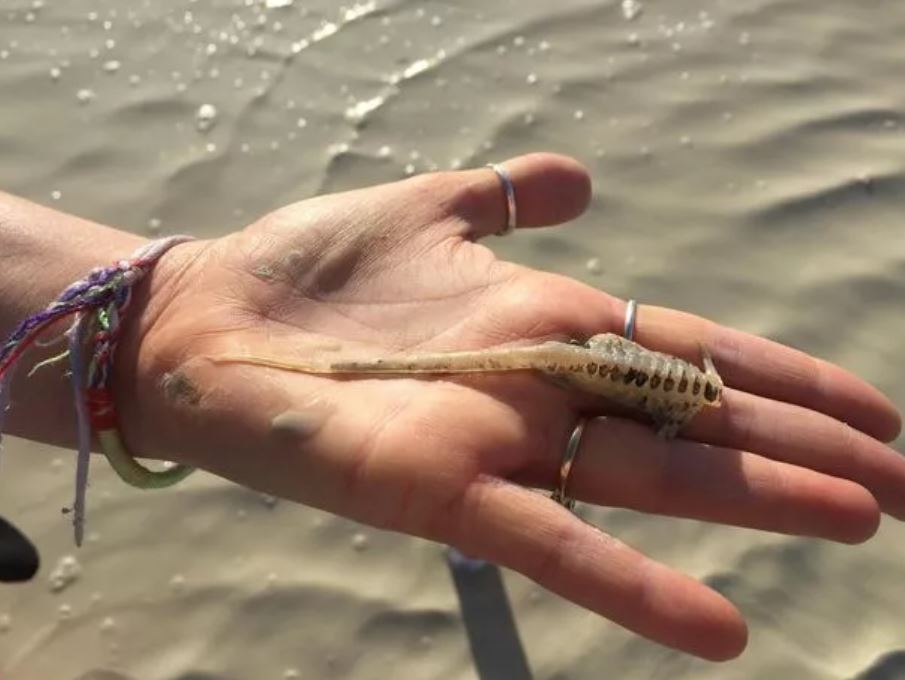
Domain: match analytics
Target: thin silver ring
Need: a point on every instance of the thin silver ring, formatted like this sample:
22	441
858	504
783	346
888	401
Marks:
565	467
509	188
631	313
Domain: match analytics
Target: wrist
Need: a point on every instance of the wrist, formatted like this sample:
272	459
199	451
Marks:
42	252
148	353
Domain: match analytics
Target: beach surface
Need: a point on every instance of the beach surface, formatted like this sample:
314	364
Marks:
748	160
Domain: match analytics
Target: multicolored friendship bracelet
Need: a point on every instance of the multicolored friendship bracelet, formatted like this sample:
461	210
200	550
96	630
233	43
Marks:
97	304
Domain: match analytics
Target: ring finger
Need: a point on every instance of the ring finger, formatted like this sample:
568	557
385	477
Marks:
622	464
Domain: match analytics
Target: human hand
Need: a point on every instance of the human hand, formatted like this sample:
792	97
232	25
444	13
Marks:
396	268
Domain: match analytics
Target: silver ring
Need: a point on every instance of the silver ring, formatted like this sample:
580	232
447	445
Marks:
509	188
565	467
631	312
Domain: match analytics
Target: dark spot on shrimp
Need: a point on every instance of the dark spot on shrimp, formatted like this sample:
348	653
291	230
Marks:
711	392
592	368
683	385
630	376
615	374
641	379
655	382
696	388
668	384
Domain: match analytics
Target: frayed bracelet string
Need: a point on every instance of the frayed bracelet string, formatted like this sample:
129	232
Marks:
97	304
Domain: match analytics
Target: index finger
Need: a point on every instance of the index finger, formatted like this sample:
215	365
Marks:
760	366
746	362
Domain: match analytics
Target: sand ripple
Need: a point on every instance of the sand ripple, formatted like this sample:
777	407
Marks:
748	163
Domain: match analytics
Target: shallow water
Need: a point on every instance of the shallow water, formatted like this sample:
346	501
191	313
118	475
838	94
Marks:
749	166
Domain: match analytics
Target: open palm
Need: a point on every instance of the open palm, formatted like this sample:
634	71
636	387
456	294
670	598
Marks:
396	269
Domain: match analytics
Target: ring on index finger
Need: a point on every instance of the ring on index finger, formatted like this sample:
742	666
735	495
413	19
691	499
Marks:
631	313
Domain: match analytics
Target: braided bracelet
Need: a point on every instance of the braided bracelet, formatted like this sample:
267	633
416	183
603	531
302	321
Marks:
98	304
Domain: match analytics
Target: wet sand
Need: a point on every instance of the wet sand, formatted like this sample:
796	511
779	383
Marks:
748	166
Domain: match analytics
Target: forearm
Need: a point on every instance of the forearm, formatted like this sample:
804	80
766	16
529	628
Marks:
41	252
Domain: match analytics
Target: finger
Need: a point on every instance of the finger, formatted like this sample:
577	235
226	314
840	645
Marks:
806	438
549	189
527	532
760	366
745	362
623	464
